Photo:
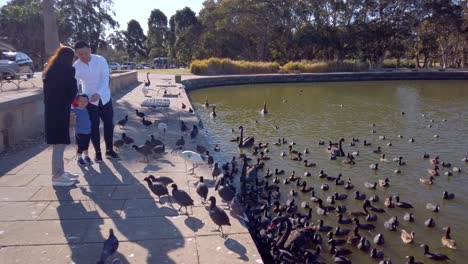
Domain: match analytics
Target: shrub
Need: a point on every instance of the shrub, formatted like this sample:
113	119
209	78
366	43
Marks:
326	66
213	66
404	63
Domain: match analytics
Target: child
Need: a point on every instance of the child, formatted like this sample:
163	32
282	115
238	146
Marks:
82	129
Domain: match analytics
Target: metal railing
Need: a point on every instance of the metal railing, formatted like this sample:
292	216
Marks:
19	81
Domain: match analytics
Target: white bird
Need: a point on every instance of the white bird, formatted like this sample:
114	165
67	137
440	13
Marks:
162	128
145	91
193	157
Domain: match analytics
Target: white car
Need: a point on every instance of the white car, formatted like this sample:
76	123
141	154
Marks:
115	66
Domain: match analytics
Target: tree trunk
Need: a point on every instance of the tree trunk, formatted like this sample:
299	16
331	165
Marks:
51	38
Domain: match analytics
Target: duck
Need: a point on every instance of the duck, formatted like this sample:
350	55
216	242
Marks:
402	204
389	144
364	244
245	142
146	123
446	164
342	220
324	187
374	166
389	203
307	174
340	259
376	254
430	222
379	239
456	169
382	137
390	226
308	165
432	207
291	150
264	110
411	260
378	150
433	172
323	228
298	158
429	181
401	162
340	197
144	150
407	237
355	153
348	185
339	251
304	189
435	160
426	156
465	159
217	148
363	226
433	256
382	158
213	112
447	241
359	196
336	241
279	172
367	143
322	174
397	171
448	196
409	217
411	140
306	151
384	183
206	104
371	186
355	237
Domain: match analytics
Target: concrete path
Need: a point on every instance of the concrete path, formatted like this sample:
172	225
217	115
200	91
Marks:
40	223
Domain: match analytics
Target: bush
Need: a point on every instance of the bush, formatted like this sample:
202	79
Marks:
326	66
214	66
404	63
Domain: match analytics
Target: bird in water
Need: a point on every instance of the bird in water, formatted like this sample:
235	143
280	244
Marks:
109	248
213	112
264	110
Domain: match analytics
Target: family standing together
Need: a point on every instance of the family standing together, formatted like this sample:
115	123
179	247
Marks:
85	108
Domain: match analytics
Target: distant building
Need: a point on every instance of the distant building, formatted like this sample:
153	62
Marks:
6	47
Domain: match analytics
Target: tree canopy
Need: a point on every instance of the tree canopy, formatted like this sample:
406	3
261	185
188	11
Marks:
425	31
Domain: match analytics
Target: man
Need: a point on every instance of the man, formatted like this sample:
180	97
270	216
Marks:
92	72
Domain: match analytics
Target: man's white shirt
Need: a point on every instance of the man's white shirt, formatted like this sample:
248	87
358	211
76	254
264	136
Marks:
94	77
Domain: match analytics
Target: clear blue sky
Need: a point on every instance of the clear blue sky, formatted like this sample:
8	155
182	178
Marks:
140	9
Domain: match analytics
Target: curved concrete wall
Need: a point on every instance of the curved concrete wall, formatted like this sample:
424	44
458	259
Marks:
22	114
202	82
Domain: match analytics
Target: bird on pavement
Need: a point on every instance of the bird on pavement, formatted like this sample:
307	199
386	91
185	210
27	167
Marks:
110	247
181	197
218	215
139	114
202	189
194	132
159	189
162	179
123	122
128	140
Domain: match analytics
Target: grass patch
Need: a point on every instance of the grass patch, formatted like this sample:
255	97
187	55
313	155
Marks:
213	66
165	71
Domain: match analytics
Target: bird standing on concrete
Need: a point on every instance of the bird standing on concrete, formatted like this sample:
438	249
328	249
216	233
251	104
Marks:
202	189
192	157
159	189
194	132
218	215
110	247
123	122
162	128
181	198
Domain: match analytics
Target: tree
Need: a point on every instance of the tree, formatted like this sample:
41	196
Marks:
186	31
157	33
89	19
135	40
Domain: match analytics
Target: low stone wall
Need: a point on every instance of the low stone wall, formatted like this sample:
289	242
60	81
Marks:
210	81
22	114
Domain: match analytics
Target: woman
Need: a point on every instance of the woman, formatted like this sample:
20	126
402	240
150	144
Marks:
60	89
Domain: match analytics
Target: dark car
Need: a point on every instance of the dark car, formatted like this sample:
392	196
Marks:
15	64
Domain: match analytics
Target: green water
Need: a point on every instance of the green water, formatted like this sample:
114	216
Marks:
307	113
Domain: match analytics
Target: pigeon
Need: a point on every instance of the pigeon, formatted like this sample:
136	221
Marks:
110	247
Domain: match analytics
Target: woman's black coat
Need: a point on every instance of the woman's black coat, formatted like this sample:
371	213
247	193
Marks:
60	89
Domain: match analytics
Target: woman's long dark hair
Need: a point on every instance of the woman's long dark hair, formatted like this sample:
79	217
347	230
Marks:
63	56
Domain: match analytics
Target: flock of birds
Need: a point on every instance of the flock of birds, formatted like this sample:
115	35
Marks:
282	233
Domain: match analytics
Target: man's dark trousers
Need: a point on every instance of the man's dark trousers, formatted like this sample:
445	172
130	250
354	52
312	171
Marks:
106	114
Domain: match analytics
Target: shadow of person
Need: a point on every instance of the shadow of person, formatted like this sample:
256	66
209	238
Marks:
131	189
73	215
193	223
235	246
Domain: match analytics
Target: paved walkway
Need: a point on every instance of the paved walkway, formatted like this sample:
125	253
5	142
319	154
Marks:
43	224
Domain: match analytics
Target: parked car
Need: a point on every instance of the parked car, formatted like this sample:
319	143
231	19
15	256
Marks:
14	64
114	66
139	66
129	66
146	66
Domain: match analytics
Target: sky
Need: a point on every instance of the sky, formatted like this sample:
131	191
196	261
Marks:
140	10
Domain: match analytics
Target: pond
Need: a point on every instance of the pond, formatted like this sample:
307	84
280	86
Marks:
434	113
